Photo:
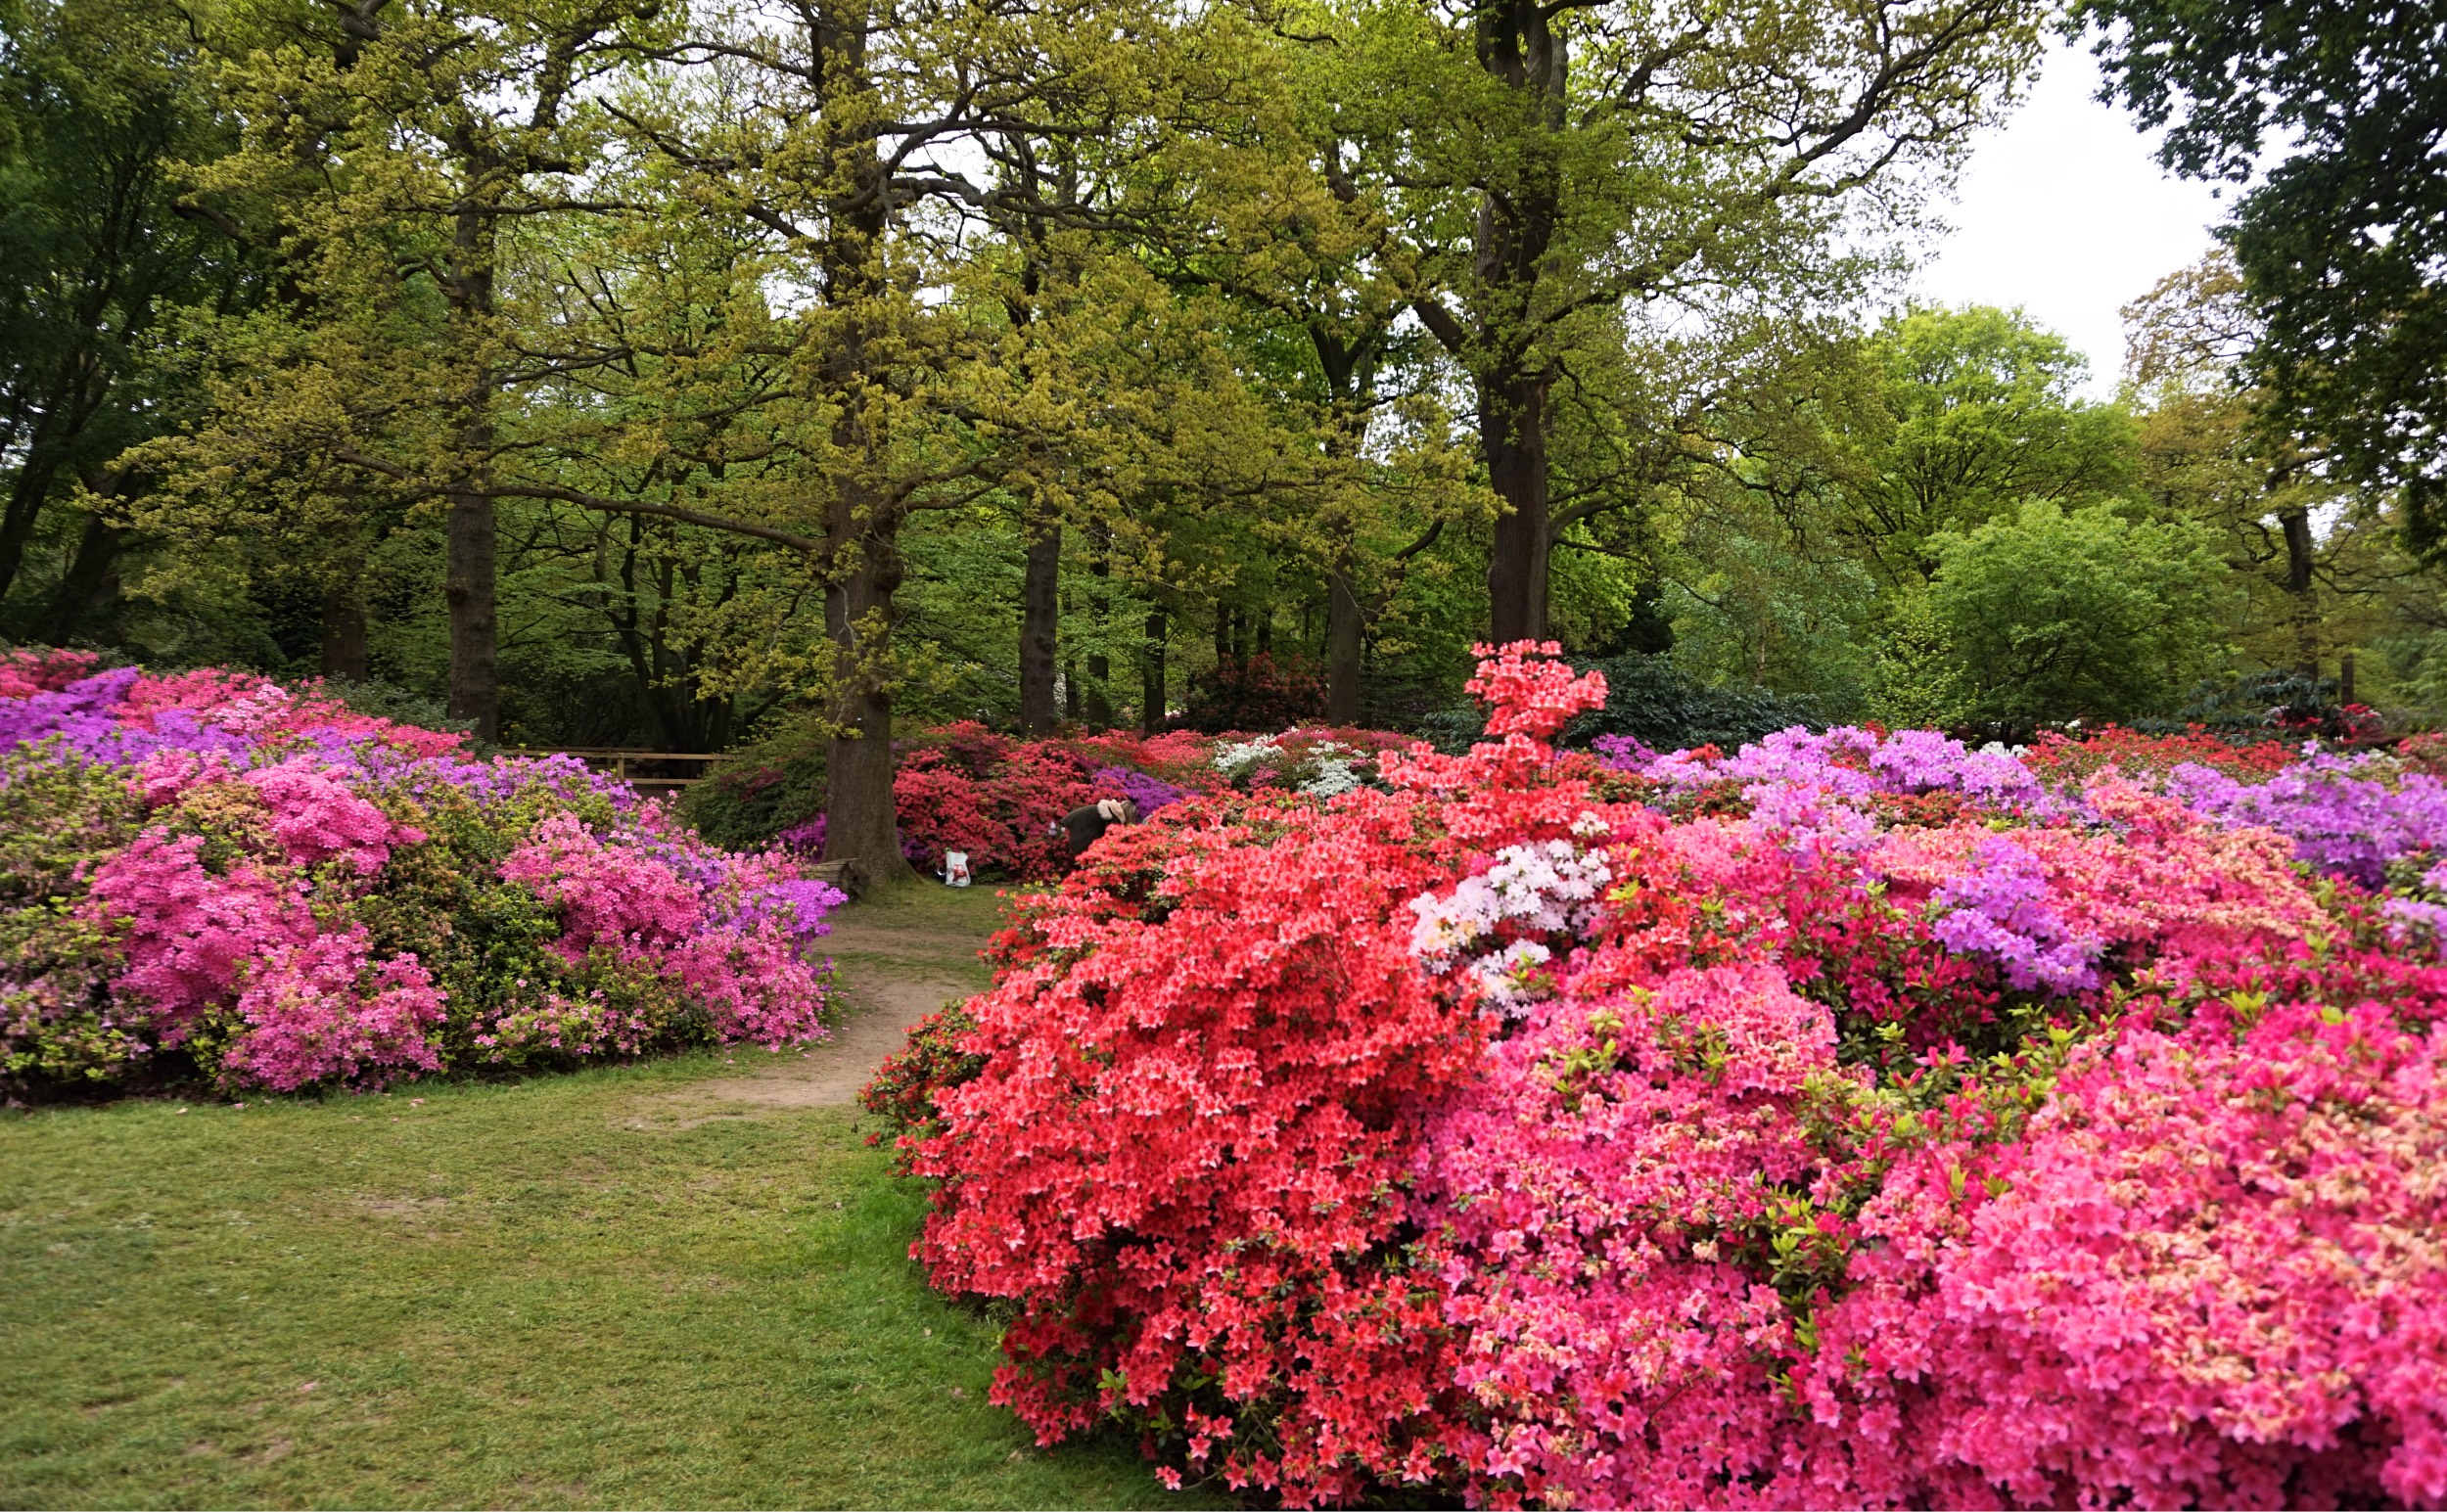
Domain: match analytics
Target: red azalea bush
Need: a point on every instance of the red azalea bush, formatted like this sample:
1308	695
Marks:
2058	755
1499	1136
1184	1155
1255	693
996	797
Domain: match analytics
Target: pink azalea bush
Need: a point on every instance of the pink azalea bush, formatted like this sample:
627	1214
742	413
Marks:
1852	1120
210	875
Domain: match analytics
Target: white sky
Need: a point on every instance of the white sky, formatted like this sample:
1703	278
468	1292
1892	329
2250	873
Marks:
2064	210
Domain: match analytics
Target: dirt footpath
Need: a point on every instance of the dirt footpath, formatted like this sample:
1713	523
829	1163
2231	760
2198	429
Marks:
900	957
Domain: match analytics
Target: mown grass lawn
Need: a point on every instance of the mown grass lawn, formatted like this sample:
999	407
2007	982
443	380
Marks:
574	1291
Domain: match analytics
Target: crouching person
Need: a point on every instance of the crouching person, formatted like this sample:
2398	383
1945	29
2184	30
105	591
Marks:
1083	827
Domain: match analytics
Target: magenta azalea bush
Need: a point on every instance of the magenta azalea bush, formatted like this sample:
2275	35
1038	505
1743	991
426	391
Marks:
207	875
1853	1120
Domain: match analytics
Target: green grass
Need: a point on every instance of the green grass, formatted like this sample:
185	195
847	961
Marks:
574	1291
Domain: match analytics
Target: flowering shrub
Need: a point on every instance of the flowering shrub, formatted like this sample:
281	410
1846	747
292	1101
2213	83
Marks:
1854	1118
2060	756
211	875
903	1090
1255	693
996	797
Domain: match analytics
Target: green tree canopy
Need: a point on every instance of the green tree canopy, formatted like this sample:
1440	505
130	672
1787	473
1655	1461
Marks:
2057	614
1976	411
2342	241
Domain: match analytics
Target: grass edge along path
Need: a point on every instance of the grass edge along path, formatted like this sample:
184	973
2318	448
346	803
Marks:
599	1289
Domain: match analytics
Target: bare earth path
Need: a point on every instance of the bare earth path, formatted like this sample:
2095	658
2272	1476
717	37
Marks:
901	955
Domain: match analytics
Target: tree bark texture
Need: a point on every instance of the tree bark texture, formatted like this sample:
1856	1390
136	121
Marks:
2300	558
1518	47
1512	435
469	575
343	633
863	525
1151	689
1099	694
468	589
1041	619
91	581
859	820
1343	641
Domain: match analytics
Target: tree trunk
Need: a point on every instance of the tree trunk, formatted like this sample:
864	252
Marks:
27	494
469	576
1098	699
1344	638
1519	48
860	823
862	522
1512	435
1151	690
92	579
2300	558
343	633
468	590
1040	618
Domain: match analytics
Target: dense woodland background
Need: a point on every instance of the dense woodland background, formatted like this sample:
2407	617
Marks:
632	373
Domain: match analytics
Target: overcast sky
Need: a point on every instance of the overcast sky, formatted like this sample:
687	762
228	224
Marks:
2064	210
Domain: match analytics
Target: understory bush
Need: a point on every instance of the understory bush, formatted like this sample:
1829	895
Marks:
1853	1120
211	877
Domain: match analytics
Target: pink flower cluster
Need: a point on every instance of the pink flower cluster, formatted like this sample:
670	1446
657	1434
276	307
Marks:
726	942
1870	1123
2206	1273
289	895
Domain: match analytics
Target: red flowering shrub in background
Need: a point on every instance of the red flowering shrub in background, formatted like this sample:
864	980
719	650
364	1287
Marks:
1501	1136
25	673
1255	693
2060	756
996	797
996	807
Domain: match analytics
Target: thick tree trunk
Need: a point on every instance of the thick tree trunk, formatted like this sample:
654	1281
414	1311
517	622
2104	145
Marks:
2300	558
1512	435
863	564
860	823
1041	619
469	576
1151	690
1099	694
1344	640
468	590
1519	48
92	579
343	633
